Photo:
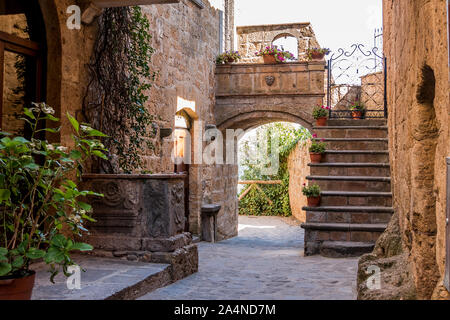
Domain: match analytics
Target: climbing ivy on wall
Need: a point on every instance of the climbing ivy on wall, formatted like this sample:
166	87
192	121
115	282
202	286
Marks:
115	102
255	202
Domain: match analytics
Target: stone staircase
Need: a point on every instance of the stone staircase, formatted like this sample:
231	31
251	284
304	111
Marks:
354	177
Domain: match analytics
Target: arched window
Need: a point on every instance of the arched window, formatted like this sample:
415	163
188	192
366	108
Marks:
287	42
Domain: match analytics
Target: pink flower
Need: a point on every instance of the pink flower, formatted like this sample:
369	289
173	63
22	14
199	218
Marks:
315	135
322	140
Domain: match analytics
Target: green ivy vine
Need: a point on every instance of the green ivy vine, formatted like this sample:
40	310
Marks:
115	102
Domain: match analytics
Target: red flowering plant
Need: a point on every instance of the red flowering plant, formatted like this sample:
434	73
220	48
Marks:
311	191
321	112
280	55
317	51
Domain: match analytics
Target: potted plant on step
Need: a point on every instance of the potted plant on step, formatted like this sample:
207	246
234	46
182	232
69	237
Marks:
317	54
357	110
312	194
228	57
316	150
40	210
321	113
271	55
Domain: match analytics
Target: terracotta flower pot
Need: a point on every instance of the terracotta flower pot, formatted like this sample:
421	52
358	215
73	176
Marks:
357	115
321	122
315	157
269	59
313	201
229	61
17	288
317	56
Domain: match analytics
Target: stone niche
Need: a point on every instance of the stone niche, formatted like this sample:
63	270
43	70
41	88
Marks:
140	217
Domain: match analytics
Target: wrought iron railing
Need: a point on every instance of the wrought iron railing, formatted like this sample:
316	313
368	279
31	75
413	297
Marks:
357	76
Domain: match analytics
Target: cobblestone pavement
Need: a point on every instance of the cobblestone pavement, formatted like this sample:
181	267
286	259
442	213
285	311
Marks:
265	262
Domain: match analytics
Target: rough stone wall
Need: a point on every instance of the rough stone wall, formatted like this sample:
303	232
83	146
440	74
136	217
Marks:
298	171
186	40
252	38
415	37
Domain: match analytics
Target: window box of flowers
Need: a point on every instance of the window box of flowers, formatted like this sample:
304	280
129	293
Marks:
272	55
317	54
41	207
357	110
316	150
228	57
312	193
321	113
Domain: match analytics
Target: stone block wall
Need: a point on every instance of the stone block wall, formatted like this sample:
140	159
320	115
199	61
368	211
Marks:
298	171
416	47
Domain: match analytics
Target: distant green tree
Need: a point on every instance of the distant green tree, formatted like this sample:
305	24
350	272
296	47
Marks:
254	162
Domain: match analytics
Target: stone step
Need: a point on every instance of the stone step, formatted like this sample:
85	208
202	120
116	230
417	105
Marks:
352	183
351	198
352	123
350	169
317	233
348	214
356	143
375	209
370	156
352	132
345	249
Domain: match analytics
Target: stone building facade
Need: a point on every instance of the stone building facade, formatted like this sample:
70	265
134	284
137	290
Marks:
186	39
412	252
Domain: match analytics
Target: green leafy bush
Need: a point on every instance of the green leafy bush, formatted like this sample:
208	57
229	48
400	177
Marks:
312	191
255	202
39	203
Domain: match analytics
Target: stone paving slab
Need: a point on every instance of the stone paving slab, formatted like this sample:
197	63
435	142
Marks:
265	262
104	278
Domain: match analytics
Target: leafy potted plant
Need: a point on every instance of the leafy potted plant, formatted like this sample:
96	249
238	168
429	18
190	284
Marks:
271	54
40	210
316	150
312	194
357	110
321	113
317	54
228	57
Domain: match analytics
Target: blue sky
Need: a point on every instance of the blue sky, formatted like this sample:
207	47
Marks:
337	23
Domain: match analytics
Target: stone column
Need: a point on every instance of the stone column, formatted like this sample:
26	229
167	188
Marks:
229	25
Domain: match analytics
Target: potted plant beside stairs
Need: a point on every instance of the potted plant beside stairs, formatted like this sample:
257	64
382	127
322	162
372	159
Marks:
40	207
316	151
357	110
320	114
312	193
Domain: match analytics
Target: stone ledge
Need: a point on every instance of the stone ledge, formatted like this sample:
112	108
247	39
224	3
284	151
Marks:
104	279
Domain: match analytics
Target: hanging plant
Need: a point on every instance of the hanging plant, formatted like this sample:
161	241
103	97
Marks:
117	93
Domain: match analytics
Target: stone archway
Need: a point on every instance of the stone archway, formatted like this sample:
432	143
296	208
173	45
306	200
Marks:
250	95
